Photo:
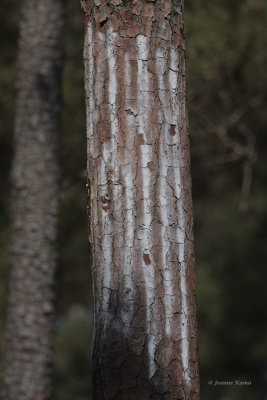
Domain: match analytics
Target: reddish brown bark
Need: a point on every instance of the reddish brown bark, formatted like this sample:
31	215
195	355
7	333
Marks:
145	339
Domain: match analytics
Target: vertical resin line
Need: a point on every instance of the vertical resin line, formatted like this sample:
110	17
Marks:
90	105
163	184
181	237
104	195
142	44
128	176
89	83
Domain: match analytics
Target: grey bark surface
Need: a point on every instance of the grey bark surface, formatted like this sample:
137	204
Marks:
140	206
35	173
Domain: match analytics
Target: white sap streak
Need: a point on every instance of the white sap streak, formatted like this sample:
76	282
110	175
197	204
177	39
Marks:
173	59
163	170
129	175
108	155
181	238
128	172
106	240
90	86
109	152
142	44
128	74
114	124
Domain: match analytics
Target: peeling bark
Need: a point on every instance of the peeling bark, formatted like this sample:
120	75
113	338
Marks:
28	358
145	335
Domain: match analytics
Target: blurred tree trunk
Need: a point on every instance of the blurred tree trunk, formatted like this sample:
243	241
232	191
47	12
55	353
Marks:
145	335
34	203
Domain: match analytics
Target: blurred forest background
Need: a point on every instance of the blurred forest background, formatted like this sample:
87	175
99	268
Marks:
227	81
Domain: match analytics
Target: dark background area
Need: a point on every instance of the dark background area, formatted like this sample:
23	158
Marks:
227	81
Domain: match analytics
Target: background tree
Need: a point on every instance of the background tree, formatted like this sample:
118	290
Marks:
145	339
34	203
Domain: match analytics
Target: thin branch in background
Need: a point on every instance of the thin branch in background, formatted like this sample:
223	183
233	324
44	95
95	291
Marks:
248	163
238	151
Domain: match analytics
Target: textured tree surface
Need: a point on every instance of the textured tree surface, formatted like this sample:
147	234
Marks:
145	338
34	203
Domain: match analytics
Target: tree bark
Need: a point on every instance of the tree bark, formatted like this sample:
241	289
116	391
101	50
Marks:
35	171
139	185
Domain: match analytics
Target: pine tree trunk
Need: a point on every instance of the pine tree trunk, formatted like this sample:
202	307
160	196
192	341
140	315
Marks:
34	203
145	335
